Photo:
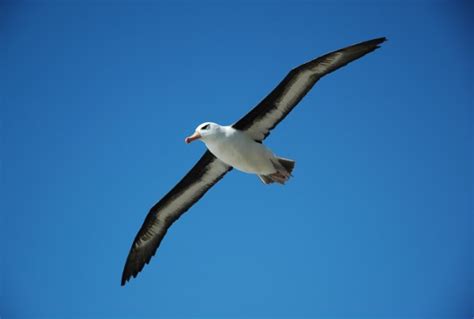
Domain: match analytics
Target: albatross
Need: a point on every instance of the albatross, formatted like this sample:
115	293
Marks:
237	146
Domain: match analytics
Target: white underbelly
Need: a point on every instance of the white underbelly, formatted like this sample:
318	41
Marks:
244	154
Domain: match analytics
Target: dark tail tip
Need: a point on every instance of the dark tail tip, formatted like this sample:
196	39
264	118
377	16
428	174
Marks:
288	164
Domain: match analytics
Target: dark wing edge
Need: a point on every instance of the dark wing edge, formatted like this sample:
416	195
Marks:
289	92
205	173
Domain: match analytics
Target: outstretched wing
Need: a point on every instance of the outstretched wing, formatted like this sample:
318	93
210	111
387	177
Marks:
207	171
275	107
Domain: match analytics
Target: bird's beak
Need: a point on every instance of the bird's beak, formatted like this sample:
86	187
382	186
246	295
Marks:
193	137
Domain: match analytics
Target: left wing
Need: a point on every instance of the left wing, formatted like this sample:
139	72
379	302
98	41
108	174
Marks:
275	107
207	171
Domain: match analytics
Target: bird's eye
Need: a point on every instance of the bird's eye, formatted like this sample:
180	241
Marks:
205	127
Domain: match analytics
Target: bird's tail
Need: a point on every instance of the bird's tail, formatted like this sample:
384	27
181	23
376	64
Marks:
284	168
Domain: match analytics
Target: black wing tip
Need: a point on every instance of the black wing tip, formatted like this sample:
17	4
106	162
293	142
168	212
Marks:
363	48
370	44
380	40
126	277
129	273
375	43
132	270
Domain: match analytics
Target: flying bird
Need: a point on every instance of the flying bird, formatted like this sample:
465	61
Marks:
237	146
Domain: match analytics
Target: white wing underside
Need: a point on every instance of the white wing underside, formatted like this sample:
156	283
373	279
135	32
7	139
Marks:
278	104
207	171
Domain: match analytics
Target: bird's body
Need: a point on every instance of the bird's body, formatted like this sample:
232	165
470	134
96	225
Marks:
239	146
237	149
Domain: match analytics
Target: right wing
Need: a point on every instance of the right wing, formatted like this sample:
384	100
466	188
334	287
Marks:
207	171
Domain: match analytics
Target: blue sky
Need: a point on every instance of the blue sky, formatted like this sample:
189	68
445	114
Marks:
97	97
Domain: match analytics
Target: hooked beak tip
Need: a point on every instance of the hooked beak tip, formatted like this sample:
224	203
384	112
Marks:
193	137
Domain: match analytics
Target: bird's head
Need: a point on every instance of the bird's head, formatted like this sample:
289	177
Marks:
203	132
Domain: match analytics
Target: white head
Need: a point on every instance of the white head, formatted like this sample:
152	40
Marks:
204	131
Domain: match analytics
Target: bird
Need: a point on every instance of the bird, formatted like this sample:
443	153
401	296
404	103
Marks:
238	146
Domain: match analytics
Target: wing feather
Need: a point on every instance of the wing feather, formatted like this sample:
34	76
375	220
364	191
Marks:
278	104
207	172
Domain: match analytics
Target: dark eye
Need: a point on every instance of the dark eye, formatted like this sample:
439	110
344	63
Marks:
205	127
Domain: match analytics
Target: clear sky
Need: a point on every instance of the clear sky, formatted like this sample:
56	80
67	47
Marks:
96	99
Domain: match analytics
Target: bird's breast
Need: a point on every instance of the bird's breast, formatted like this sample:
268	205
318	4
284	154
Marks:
242	153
